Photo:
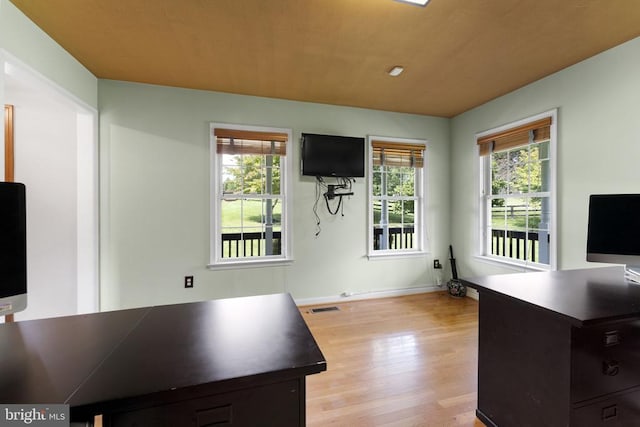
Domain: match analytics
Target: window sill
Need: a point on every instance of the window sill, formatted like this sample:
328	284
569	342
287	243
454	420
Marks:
513	265
396	255
235	265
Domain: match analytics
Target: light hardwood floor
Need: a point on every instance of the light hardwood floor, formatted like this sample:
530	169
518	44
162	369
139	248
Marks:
405	361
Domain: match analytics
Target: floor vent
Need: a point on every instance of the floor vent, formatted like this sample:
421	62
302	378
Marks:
323	309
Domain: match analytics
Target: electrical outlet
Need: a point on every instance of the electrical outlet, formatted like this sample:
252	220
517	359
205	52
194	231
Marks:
188	281
436	264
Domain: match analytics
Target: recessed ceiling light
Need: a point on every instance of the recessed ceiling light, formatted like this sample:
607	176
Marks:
417	2
396	71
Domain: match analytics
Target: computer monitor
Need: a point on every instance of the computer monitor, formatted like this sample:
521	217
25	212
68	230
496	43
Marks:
613	233
13	248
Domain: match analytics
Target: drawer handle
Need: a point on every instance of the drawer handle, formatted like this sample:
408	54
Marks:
611	338
610	368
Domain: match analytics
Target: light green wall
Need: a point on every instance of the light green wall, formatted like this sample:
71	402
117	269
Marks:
155	186
154	177
21	38
598	103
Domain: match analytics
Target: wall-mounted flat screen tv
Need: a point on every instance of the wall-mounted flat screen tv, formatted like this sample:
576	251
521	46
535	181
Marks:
331	155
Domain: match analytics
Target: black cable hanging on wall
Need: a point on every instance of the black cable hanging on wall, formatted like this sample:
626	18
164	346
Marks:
331	194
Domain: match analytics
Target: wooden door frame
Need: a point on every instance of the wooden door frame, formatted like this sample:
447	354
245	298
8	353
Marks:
8	159
8	143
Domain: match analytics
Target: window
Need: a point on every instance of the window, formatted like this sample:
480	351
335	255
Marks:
250	176
396	196
518	192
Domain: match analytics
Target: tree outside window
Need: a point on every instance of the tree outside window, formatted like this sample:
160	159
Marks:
250	201
517	176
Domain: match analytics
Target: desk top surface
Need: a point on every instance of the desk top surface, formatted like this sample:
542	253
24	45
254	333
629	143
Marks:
583	297
85	359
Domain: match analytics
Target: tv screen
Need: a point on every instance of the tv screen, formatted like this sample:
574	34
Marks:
13	248
330	155
613	233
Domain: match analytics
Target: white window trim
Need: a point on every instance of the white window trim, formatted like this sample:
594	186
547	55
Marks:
484	183
420	219
216	261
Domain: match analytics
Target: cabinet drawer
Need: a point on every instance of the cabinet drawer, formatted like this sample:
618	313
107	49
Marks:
272	404
605	359
622	410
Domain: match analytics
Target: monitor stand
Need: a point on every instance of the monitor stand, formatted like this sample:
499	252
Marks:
632	273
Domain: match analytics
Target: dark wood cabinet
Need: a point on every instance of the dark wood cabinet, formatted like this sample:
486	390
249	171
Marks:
559	349
276	404
605	360
614	410
239	362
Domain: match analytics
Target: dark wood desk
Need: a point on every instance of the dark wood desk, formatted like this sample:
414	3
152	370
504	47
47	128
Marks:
240	361
559	349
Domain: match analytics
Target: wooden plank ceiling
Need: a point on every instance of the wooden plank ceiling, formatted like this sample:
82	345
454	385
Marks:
457	54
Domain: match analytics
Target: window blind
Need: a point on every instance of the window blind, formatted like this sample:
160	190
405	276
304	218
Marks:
231	141
518	136
398	154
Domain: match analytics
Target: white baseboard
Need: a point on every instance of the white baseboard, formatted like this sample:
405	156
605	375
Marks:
368	295
472	293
